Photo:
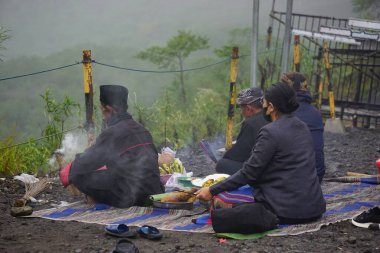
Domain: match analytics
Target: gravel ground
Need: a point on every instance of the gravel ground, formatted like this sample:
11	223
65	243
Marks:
356	151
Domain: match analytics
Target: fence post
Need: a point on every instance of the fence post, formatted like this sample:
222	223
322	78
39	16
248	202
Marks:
297	53
270	27
328	74
255	41
88	94
319	79
287	36
232	100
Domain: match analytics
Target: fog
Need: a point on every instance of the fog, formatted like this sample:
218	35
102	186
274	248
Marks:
42	27
51	33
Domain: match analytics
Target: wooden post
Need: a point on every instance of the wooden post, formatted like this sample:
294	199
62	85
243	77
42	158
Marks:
328	74
232	100
297	53
89	96
287	36
319	79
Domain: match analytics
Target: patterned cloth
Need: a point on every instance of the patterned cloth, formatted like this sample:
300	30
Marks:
344	201
229	198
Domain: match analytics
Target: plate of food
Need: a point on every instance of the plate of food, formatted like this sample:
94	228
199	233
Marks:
209	180
180	199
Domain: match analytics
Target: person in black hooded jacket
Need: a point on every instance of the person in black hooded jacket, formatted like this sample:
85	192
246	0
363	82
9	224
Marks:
307	113
121	168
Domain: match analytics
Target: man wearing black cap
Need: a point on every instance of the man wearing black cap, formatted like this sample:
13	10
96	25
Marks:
121	168
250	102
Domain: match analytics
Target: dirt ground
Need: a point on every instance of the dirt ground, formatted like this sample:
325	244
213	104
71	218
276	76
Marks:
355	151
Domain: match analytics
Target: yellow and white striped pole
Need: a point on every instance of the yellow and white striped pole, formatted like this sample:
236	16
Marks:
89	96
319	79
232	100
328	75
297	53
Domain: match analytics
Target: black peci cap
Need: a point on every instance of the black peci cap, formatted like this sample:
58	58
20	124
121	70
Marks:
115	96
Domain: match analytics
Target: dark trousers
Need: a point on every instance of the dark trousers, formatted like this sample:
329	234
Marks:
245	218
227	166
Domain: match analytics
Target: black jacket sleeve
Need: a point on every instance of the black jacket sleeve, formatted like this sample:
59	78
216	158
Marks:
92	158
241	150
261	156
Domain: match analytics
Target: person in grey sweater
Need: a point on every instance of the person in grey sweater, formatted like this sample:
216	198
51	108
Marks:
281	168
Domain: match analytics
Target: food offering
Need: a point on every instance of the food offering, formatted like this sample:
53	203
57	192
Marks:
169	165
174	167
180	199
211	181
183	195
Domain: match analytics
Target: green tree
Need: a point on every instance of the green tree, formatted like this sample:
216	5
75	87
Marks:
57	113
3	37
177	49
369	9
239	37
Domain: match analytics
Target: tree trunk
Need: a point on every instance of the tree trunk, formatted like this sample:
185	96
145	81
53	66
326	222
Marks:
182	81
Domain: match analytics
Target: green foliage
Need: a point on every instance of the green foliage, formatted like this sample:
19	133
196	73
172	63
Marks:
29	157
173	55
239	37
57	114
4	35
173	125
8	157
33	155
176	50
369	9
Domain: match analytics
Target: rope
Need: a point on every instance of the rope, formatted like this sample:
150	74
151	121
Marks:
176	71
163	71
131	69
40	72
45	137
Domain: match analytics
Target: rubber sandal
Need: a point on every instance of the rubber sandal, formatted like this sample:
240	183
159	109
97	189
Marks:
149	232
125	246
120	230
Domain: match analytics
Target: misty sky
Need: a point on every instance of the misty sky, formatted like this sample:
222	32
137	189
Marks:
41	27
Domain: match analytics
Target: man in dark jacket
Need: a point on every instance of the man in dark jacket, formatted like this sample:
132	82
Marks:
310	115
281	170
121	168
250	102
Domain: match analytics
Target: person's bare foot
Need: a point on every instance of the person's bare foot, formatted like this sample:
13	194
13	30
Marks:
73	190
90	201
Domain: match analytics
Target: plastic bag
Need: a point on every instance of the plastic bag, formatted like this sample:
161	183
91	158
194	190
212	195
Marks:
168	150
173	180
167	156
26	178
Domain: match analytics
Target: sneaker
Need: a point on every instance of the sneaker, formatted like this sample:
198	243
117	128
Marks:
369	219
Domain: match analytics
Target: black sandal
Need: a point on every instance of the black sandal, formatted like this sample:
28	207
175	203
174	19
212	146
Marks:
125	246
149	232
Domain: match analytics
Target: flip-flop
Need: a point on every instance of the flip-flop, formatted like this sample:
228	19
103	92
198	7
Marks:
120	230
149	232
125	246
